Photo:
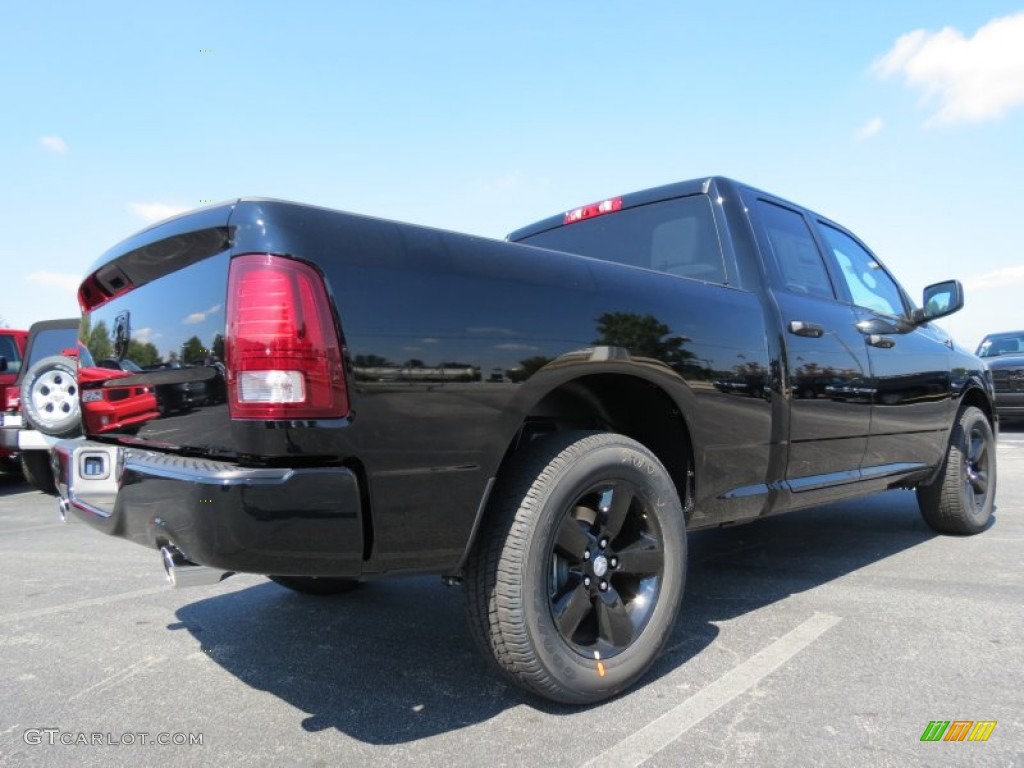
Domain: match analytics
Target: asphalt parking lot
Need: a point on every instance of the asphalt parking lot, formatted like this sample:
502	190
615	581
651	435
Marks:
829	637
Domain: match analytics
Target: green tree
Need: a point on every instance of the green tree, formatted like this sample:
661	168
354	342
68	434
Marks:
527	368
99	342
643	336
143	353
372	361
217	345
193	351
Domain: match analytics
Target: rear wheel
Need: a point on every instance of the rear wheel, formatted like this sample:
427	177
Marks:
316	585
962	497
575	582
35	466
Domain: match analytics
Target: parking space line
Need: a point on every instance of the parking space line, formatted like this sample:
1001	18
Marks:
121	676
87	603
658	734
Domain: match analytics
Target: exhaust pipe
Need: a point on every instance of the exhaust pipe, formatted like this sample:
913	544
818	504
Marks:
182	572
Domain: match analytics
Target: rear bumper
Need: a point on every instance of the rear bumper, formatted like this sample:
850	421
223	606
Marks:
257	520
15	437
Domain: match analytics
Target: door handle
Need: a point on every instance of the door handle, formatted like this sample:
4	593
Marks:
882	342
810	330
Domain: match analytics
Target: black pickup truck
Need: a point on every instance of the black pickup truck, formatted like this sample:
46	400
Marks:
542	419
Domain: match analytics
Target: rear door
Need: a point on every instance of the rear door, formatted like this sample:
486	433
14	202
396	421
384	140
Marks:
827	368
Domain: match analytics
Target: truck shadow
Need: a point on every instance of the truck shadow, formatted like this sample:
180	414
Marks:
393	662
12	482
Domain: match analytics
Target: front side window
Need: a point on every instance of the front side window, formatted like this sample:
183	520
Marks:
869	284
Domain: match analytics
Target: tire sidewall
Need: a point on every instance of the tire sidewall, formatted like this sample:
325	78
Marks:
572	671
972	417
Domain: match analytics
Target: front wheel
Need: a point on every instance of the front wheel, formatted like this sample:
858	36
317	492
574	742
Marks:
575	582
961	498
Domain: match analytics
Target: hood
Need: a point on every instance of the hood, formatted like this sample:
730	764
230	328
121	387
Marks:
1005	361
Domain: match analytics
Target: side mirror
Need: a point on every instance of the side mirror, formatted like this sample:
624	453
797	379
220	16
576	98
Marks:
3	364
940	299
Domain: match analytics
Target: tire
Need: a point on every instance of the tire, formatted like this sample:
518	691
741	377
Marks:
49	397
316	585
575	581
35	466
960	500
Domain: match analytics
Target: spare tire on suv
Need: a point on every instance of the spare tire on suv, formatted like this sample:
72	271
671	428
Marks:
49	397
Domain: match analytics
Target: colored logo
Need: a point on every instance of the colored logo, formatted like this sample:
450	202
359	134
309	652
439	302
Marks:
958	730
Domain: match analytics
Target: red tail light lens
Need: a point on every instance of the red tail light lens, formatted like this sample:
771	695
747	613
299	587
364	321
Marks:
13	397
594	209
283	353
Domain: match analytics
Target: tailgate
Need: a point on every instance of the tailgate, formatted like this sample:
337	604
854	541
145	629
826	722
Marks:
156	312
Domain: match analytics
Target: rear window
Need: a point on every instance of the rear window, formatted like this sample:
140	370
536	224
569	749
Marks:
9	349
674	236
53	341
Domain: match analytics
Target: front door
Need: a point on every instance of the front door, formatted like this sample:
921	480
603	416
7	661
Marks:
911	413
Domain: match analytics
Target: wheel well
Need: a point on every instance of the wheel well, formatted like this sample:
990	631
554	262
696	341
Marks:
974	396
618	403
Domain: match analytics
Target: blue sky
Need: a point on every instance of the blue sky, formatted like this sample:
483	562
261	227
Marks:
903	121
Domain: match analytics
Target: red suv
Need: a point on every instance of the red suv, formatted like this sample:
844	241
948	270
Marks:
43	403
12	352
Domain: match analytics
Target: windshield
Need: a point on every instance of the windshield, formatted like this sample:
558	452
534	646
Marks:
1002	344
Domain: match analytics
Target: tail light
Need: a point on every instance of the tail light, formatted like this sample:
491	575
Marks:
610	205
283	353
12	396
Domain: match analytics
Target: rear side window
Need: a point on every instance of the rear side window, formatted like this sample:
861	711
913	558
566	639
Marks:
9	349
674	236
796	253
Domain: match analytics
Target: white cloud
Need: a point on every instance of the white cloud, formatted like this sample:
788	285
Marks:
870	129
997	278
65	282
54	144
156	211
971	79
144	335
197	317
516	347
486	330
